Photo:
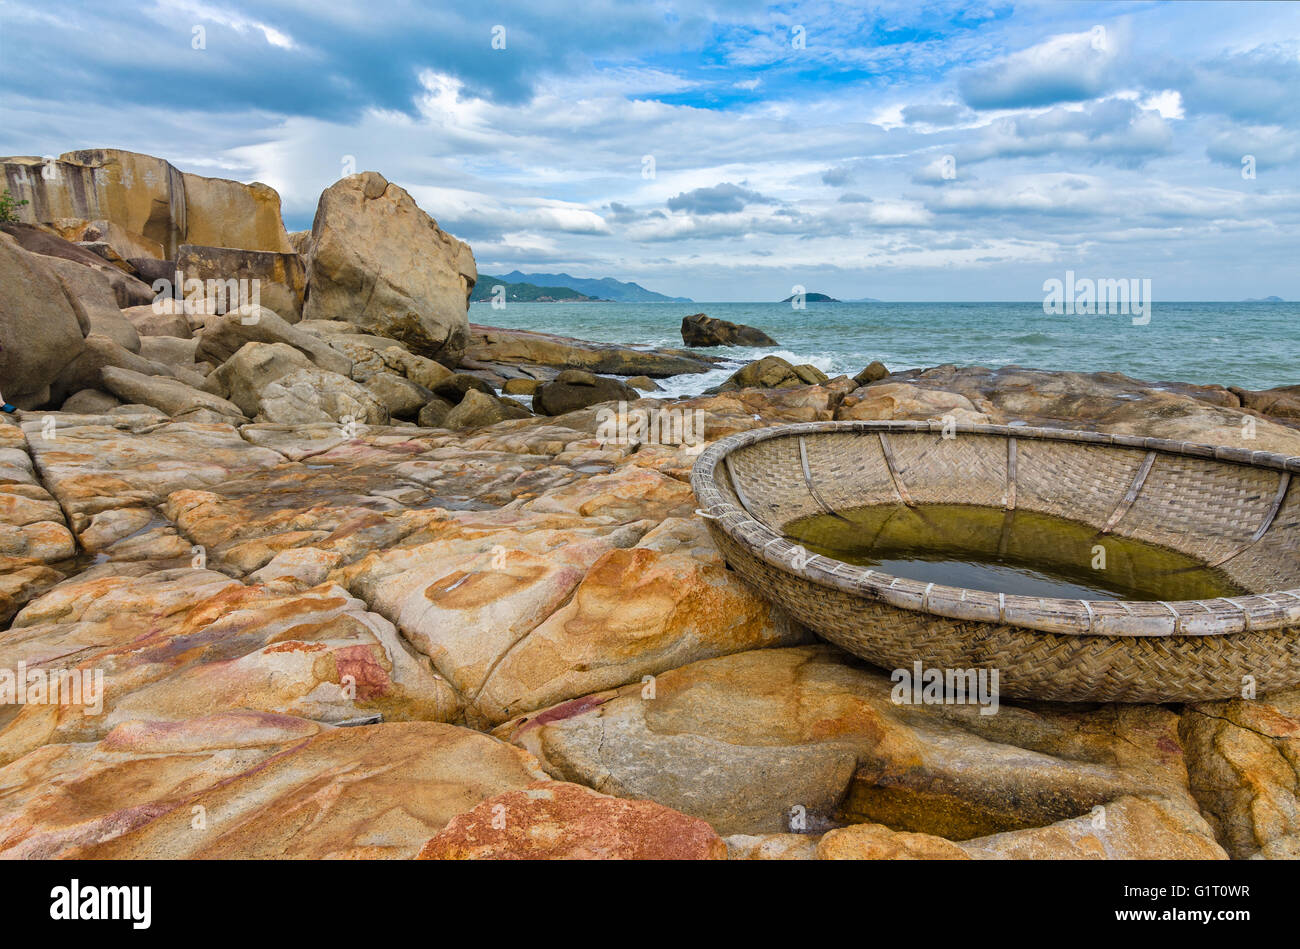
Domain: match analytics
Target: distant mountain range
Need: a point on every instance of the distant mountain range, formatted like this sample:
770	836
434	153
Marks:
525	292
606	288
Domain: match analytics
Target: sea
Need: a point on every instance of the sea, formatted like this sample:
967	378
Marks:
1252	345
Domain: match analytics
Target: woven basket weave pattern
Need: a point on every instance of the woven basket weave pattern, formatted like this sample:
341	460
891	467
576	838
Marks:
1223	506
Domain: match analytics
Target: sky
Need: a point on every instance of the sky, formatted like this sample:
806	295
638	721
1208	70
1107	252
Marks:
724	150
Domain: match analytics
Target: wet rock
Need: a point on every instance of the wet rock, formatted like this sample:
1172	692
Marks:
773	372
489	344
702	330
574	389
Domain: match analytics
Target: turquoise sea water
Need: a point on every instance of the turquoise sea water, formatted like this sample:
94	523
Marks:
1254	345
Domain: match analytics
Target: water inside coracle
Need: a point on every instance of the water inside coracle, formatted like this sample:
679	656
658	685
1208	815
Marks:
1014	552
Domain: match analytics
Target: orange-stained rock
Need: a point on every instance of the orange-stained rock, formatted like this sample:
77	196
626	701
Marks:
878	842
553	820
241	785
1243	758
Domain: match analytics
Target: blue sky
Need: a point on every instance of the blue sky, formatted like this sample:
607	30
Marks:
727	150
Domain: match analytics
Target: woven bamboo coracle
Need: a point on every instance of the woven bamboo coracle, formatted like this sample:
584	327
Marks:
1229	508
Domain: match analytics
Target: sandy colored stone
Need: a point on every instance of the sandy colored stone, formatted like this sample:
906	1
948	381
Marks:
877	842
377	260
758	741
1130	828
248	785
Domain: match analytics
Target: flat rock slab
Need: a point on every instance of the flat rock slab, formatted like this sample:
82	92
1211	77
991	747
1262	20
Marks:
252	785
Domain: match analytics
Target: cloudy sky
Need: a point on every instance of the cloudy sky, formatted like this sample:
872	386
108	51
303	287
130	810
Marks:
724	150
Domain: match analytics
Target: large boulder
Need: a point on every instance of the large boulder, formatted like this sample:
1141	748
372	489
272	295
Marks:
279	280
574	389
478	409
149	197
39	330
311	395
380	262
224	336
127	290
164	317
243	376
773	372
95	294
702	330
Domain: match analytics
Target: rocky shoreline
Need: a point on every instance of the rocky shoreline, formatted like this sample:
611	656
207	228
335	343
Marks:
358	576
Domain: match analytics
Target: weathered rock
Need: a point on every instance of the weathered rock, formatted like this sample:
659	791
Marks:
520	386
1108	402
225	335
243	376
95	295
279	279
39	330
702	330
877	842
270	786
773	372
478	409
551	820
399	395
170	351
418	369
644	383
1243	758
165	394
434	413
124	244
378	261
1130	828
490	344
224	213
97	353
127	290
772	847
759	741
90	402
575	389
311	395
874	372
455	386
896	400
1282	402
165	317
